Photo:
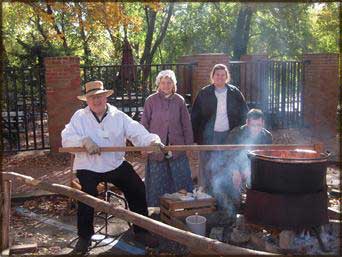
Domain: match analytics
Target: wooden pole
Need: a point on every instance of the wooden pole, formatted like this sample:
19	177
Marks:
189	148
193	241
5	213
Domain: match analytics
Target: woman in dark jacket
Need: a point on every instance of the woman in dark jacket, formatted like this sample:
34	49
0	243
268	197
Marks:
218	108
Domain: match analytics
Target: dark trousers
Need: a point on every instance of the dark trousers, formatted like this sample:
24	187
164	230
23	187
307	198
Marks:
126	179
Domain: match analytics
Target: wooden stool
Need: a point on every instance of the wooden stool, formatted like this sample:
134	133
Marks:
113	191
105	191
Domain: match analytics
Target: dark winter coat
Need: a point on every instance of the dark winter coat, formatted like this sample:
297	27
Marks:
203	112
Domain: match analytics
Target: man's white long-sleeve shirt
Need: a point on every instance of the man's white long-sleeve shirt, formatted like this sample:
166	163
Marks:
113	130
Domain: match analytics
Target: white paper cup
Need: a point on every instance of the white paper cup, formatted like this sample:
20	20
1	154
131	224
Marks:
196	224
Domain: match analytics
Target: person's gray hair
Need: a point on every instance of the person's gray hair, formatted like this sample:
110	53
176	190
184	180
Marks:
167	74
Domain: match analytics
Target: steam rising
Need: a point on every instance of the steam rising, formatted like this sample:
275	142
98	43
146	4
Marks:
222	165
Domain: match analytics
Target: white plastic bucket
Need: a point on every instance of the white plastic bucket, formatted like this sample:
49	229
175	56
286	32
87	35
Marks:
196	224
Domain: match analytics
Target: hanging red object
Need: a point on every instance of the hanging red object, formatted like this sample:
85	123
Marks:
128	68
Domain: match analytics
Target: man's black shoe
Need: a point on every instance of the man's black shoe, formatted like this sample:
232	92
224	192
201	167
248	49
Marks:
81	246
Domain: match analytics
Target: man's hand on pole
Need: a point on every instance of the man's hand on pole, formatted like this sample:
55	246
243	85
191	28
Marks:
91	146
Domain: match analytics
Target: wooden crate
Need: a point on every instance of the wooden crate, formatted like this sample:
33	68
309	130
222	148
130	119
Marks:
174	212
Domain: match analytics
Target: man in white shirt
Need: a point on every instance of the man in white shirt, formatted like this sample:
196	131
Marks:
101	124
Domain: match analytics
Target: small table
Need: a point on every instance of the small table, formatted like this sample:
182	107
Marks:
174	212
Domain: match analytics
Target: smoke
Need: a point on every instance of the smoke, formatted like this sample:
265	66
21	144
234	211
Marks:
223	165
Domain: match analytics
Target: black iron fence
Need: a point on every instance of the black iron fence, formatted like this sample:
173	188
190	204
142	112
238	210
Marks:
23	111
275	87
133	83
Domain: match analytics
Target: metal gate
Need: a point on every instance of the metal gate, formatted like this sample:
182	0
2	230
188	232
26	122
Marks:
23	110
132	84
276	87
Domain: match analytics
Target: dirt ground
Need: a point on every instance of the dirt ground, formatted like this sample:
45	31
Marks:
49	221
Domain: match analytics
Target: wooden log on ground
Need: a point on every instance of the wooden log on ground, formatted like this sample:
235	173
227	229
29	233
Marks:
26	248
5	214
193	241
317	147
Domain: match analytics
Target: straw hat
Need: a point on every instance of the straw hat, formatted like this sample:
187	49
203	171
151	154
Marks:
94	88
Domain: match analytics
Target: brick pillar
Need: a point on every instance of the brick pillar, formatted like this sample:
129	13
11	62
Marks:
320	94
63	84
201	72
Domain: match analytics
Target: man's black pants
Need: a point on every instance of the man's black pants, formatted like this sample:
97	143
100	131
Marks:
126	179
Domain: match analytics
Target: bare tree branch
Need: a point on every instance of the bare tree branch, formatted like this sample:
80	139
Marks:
41	31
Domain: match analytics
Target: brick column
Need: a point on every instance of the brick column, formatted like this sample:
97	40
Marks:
201	73
63	84
321	92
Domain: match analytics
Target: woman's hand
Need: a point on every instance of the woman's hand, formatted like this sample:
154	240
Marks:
160	147
189	154
194	155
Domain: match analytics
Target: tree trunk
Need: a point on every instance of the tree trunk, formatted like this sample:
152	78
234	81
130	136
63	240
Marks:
41	31
163	30
5	60
146	58
193	241
241	35
86	49
150	49
151	21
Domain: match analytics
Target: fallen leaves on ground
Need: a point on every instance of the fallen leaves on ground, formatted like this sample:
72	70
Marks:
25	230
